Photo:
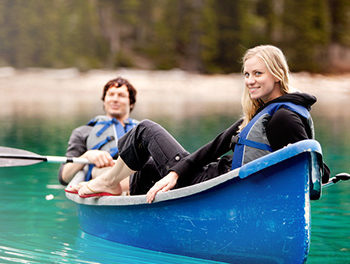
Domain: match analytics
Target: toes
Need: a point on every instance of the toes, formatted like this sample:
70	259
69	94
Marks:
81	185
83	190
72	188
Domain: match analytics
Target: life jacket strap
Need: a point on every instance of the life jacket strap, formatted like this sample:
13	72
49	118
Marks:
113	151
120	131
253	144
88	174
103	142
106	124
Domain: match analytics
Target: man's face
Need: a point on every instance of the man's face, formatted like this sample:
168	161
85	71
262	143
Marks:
117	103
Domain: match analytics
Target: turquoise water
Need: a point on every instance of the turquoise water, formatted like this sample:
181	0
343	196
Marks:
39	225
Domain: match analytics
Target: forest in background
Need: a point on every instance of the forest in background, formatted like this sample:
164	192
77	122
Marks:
206	36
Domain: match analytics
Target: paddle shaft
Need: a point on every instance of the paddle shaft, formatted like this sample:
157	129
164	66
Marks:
57	159
49	159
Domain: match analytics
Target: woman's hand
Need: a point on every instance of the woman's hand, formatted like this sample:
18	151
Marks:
163	185
100	158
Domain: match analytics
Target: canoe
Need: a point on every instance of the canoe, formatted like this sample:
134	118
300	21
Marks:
258	213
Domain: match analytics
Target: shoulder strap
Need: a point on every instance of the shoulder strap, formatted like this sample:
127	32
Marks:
241	139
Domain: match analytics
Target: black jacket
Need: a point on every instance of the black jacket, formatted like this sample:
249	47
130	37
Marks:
285	127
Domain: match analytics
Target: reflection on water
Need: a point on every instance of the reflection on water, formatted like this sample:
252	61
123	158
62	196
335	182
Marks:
39	225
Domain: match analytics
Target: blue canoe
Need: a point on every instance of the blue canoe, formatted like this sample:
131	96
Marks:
259	213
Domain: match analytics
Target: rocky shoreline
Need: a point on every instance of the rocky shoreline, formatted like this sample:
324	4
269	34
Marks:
175	93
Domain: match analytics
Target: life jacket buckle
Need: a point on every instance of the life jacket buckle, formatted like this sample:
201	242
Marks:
234	141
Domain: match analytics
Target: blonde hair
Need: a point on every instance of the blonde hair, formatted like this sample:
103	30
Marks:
277	65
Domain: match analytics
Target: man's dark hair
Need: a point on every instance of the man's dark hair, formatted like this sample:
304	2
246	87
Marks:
119	82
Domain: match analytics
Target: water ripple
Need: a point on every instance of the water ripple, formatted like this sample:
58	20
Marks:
39	225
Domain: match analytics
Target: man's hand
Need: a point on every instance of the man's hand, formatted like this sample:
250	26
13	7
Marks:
163	185
100	158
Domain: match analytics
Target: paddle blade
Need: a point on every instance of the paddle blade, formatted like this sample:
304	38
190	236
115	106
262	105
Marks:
11	157
17	162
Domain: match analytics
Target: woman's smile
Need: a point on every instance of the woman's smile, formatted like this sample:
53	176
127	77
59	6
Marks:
259	81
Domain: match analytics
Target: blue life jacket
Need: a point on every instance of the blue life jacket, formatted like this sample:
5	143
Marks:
252	143
104	135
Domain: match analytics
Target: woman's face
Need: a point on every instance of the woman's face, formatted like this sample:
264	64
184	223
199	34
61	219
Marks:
259	81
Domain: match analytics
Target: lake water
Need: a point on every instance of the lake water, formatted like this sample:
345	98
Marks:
39	225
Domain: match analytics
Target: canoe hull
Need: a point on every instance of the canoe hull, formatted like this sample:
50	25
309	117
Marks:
263	218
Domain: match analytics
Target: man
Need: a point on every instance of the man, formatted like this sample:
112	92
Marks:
97	141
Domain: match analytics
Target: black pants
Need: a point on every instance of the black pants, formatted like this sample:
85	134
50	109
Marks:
151	151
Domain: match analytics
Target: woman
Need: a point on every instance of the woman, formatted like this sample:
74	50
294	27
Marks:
273	118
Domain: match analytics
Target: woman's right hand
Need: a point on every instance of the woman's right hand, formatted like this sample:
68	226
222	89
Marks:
100	158
163	185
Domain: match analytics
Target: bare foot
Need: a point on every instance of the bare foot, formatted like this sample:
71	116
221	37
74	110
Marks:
72	188
98	185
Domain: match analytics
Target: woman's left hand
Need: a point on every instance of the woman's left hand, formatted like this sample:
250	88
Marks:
164	185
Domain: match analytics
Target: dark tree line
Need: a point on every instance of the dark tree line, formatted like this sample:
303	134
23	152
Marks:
207	36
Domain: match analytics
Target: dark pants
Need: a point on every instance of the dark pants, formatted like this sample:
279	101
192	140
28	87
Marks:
151	151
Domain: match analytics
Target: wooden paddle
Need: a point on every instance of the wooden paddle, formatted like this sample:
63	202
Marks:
11	157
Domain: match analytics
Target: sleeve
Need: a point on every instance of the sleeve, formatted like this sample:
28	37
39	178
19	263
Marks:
77	142
76	147
208	153
285	127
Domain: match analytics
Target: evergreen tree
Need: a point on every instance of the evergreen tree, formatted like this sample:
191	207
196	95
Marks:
306	33
340	16
199	35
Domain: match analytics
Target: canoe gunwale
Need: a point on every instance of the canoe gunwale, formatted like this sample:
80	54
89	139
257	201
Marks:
242	172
